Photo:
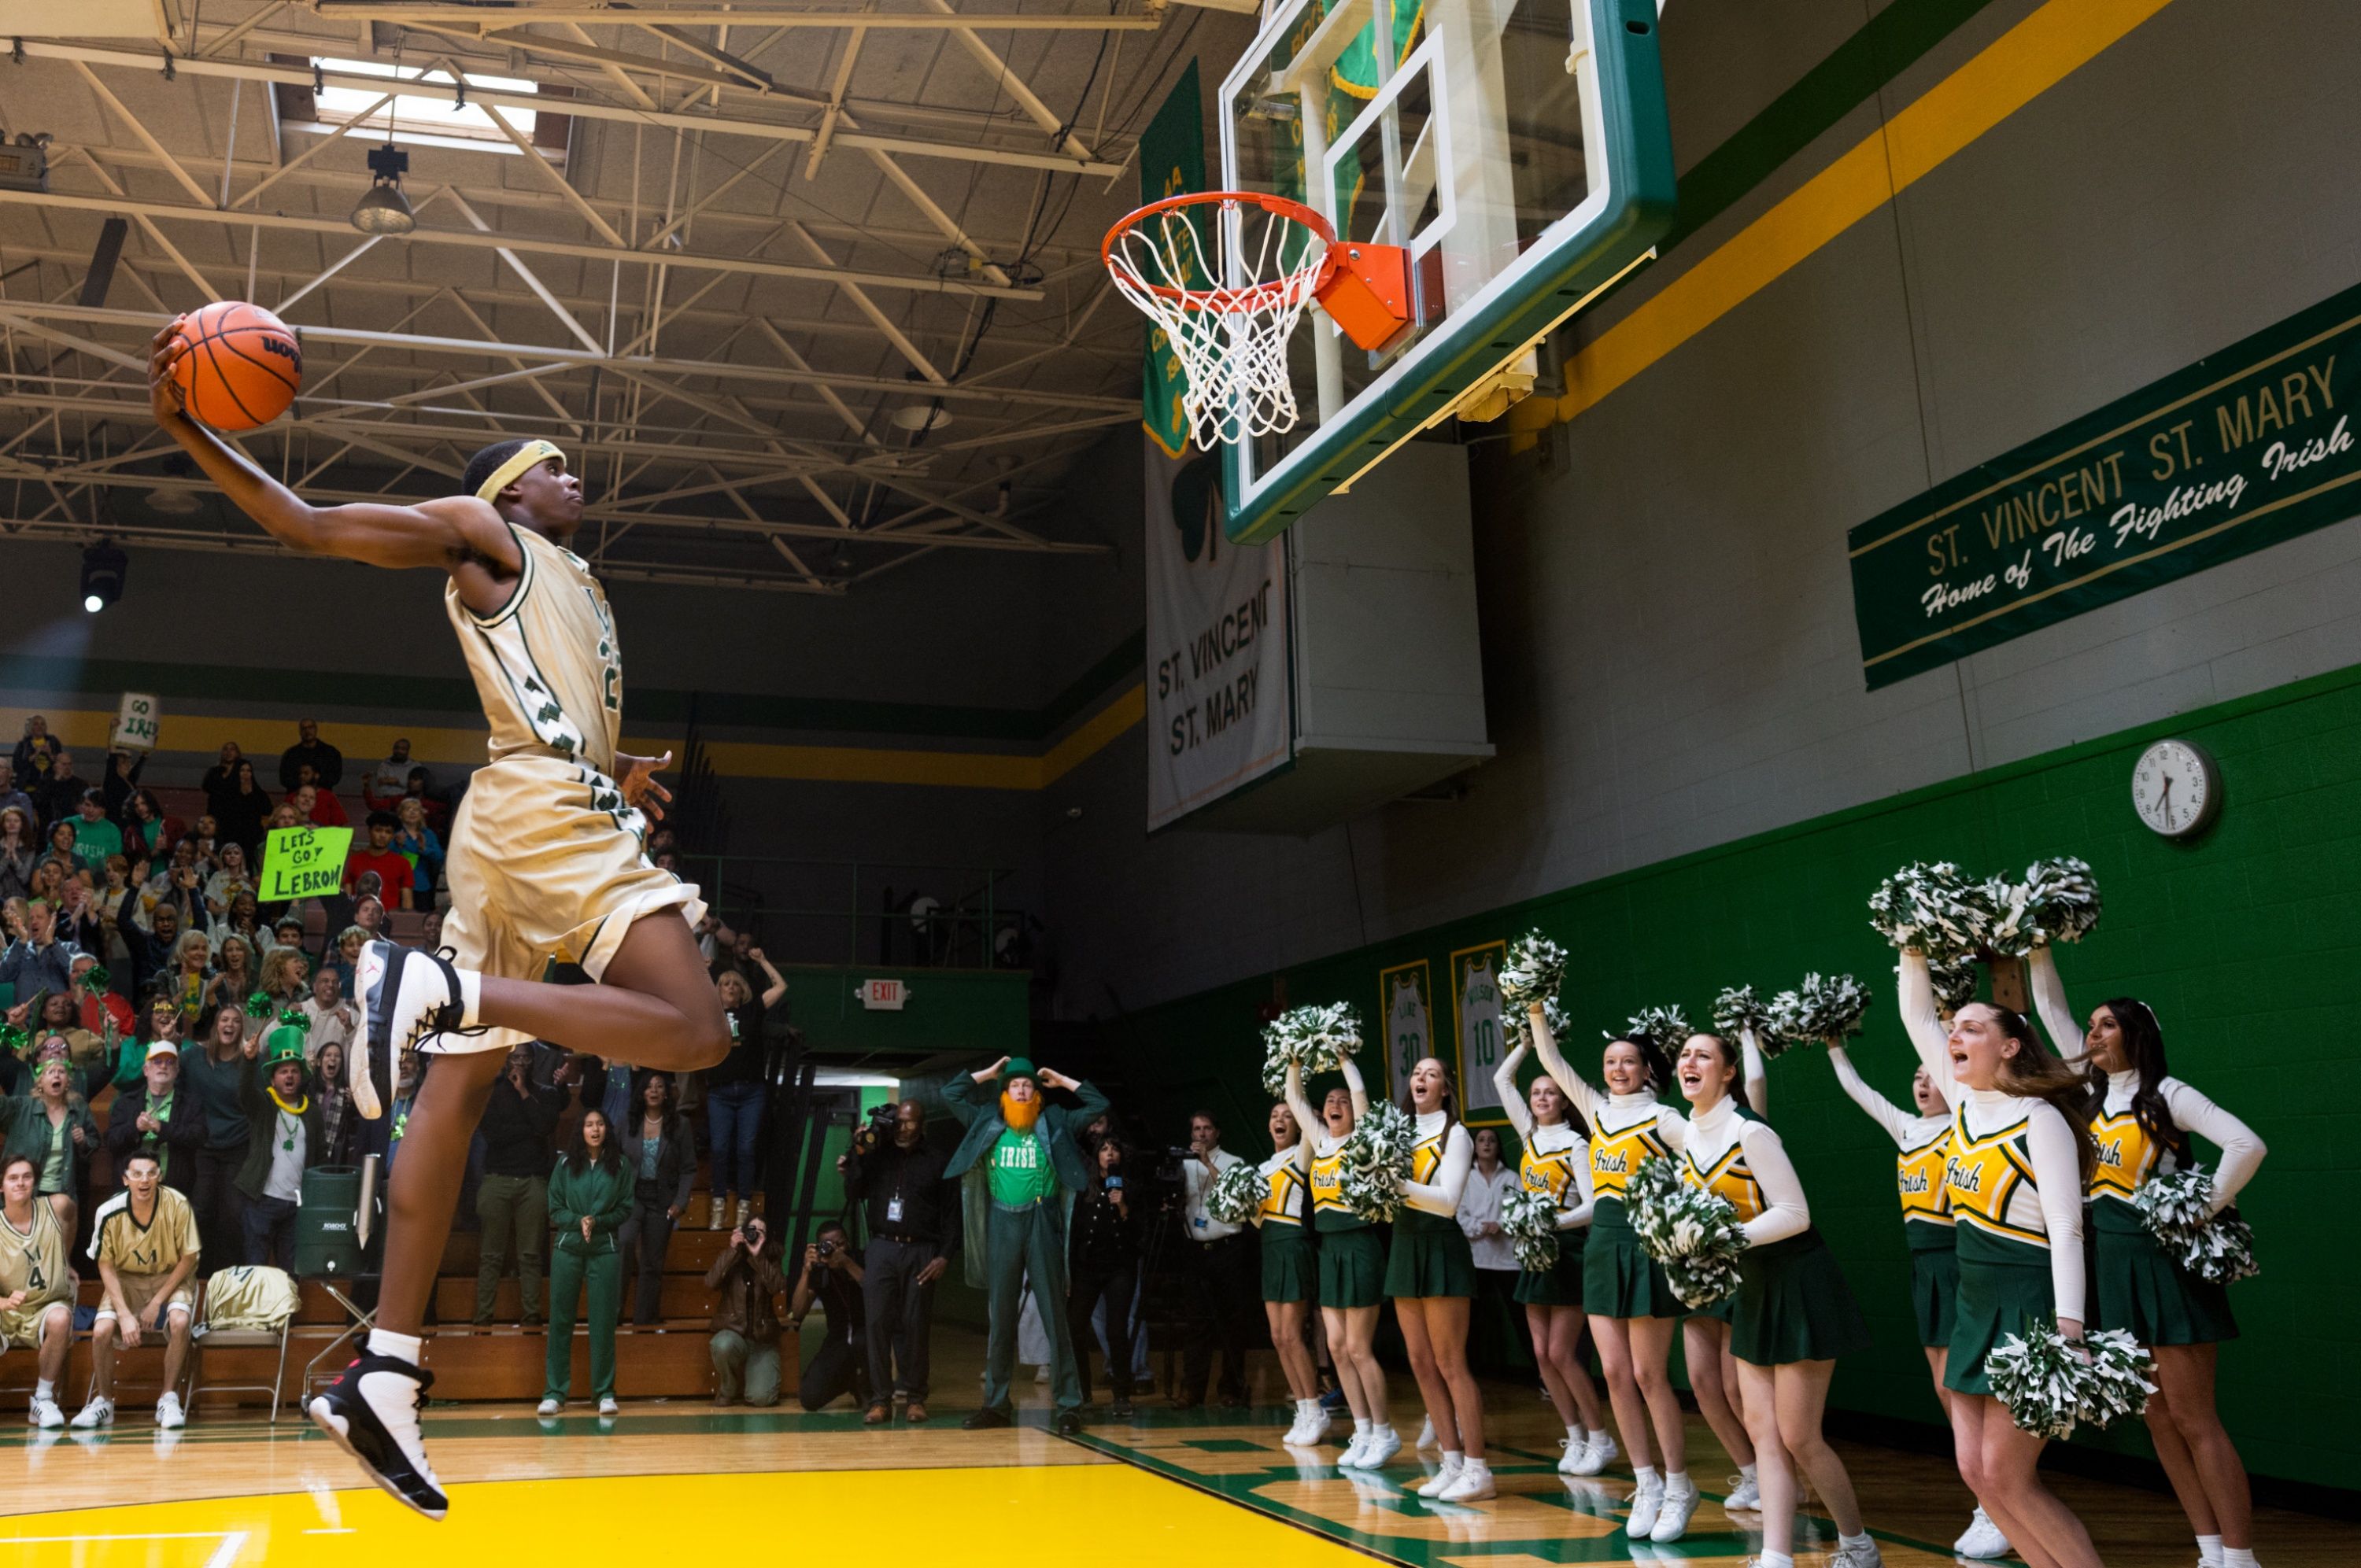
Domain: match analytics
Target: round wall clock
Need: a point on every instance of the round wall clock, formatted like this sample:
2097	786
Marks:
2176	788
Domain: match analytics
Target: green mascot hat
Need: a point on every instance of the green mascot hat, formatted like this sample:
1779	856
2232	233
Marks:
1018	1067
285	1042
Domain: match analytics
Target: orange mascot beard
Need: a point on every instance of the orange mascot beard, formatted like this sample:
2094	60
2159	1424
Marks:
1020	1116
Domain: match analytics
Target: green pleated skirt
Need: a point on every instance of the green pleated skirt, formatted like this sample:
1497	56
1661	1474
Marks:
1429	1256
1934	1293
1560	1285
2003	1290
2135	1286
1618	1280
1793	1304
1290	1263
1352	1267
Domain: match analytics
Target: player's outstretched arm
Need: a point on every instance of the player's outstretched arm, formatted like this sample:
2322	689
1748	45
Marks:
439	533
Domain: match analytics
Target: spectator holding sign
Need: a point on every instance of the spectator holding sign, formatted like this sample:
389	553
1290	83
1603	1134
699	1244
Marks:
395	877
318	805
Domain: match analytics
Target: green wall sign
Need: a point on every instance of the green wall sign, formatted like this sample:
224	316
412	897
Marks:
2240	450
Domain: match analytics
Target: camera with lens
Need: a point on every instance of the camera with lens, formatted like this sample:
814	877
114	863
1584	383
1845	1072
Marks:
827	1247
883	1125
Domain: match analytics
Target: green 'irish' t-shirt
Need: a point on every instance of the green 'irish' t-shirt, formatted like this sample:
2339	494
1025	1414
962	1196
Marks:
1020	1172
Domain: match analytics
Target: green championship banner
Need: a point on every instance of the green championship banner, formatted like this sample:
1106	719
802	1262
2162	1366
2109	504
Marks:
302	862
1171	163
2243	449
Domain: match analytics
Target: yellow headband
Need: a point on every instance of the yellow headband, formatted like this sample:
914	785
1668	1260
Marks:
508	473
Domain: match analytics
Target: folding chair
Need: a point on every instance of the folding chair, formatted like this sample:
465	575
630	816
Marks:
207	1338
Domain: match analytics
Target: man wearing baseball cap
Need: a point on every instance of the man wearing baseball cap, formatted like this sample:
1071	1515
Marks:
1025	1152
153	1117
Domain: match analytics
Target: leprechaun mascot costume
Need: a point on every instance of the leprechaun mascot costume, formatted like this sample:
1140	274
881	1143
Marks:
1031	1167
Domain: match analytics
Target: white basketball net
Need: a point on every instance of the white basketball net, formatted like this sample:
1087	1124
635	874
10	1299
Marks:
1231	338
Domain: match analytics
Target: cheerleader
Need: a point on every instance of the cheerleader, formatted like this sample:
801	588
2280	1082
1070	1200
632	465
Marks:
1704	1333
2020	1156
1792	1314
1555	1164
2141	1123
1352	1271
1924	1144
1431	1274
1289	1279
1631	1305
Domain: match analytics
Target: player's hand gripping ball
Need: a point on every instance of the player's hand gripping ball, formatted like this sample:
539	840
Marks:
238	366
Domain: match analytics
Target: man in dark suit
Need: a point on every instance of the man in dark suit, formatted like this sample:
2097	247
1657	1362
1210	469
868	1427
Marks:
1032	1167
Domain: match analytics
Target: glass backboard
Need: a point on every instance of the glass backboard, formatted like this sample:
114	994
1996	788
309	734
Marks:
1516	149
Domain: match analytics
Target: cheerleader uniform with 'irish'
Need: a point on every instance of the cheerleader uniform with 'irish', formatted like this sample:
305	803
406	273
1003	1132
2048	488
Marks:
1352	1262
2135	1286
1791	1302
1618	1280
1430	1255
2014	1184
1922	1146
1555	1165
1288	1258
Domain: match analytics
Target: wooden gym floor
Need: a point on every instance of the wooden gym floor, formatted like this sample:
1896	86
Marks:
693	1482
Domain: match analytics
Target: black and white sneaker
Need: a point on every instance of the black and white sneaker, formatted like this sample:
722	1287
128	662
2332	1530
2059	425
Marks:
407	996
371	1412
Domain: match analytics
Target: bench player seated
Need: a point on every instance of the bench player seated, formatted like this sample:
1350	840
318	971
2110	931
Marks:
37	1286
145	1239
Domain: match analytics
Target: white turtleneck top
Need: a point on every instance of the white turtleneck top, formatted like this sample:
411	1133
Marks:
1746	1161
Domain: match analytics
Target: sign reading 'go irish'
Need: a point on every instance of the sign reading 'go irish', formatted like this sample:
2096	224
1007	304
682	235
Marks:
2240	450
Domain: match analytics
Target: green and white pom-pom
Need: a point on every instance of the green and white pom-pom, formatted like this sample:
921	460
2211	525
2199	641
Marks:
1667	1029
1518	1026
1316	1039
2012	921
1737	1009
2064	896
1692	1233
1237	1194
2048	1389
1374	1162
1533	972
2178	1210
1930	906
1824	1007
1529	1220
1955	982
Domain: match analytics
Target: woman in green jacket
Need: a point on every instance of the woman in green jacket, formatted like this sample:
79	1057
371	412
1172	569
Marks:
589	1196
51	1123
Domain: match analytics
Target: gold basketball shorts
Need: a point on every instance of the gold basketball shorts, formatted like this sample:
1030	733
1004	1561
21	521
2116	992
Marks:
546	862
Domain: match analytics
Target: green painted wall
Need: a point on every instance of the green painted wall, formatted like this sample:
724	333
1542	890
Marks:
2245	942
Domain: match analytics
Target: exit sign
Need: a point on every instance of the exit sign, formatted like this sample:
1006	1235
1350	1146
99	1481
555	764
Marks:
883	995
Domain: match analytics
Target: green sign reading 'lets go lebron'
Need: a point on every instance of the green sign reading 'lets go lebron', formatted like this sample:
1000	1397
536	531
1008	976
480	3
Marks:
2240	450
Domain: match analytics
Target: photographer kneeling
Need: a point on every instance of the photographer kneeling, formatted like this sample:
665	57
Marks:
840	1365
745	1344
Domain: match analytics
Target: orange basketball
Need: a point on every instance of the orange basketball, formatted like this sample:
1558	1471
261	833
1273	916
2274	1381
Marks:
242	368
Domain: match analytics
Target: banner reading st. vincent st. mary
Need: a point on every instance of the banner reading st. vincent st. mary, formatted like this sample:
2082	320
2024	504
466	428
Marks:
2246	448
1219	710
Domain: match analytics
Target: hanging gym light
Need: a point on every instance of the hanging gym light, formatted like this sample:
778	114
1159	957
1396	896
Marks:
102	570
383	209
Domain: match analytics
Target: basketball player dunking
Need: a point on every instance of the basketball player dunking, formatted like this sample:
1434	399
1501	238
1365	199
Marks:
546	861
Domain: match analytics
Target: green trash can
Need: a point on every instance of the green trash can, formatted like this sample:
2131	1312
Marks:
327	1245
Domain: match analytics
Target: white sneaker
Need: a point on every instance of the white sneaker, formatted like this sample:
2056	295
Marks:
1426	1433
1596	1454
1859	1554
1647	1502
97	1413
1743	1492
1444	1479
1982	1538
1316	1425
168	1414
406	997
1474	1485
1351	1458
606	1407
46	1414
1575	1448
549	1407
1384	1443
1672	1520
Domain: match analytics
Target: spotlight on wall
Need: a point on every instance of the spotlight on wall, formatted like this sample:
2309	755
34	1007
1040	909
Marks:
383	209
102	570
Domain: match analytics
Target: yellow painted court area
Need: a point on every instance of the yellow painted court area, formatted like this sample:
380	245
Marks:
1020	1517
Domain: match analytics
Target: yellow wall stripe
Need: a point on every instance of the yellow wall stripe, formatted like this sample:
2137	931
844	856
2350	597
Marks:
2023	63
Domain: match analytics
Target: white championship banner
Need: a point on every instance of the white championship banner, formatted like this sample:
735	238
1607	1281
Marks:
1218	707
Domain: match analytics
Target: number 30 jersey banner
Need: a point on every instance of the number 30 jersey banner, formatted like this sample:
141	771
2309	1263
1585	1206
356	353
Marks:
1219	712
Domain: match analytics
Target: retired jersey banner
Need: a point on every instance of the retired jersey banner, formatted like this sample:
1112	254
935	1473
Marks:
2242	450
1171	163
1219	713
1402	1003
1483	1042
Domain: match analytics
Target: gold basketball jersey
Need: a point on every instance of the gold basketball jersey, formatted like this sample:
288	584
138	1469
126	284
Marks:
34	1260
547	666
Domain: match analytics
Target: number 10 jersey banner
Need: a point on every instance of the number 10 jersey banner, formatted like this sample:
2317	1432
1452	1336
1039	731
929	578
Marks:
2246	448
